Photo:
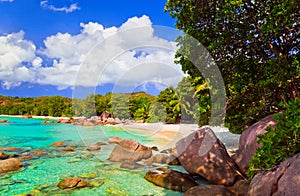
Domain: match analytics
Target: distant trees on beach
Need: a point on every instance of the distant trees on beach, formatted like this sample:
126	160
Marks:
172	105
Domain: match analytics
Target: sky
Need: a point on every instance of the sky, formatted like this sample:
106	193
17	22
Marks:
77	47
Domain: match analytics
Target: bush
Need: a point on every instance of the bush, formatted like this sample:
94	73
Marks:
278	143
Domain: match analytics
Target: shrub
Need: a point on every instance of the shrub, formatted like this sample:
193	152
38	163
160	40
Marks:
278	143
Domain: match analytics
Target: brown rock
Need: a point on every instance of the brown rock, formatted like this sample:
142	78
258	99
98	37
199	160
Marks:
284	180
115	140
66	121
248	142
72	183
202	153
58	144
38	152
10	148
3	155
3	121
164	159
129	149
94	147
209	190
66	149
171	179
89	123
8	165
240	188
25	157
128	164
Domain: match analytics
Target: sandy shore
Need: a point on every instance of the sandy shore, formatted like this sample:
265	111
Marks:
162	135
166	135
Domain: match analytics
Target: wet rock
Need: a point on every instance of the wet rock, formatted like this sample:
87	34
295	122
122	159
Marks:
72	183
248	142
164	159
284	180
25	157
209	190
88	123
115	140
101	143
129	149
171	179
128	164
66	121
3	155
154	148
94	147
172	151
39	153
66	149
8	165
10	148
202	153
58	144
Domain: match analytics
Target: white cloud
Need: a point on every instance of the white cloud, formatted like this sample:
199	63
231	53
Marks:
6	1
127	56
101	55
16	56
71	8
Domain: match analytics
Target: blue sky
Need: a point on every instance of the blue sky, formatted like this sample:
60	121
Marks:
44	45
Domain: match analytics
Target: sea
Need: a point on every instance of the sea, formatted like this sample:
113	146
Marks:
40	176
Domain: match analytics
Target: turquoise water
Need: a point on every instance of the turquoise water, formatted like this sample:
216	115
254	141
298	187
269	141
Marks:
41	175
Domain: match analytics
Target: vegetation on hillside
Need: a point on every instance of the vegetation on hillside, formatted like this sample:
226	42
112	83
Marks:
172	105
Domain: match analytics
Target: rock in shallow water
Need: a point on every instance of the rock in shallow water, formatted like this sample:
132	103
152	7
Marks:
170	179
72	183
202	153
129	149
3	155
128	164
8	165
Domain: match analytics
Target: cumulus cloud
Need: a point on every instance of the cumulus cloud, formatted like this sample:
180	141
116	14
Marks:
71	8
127	56
16	56
6	1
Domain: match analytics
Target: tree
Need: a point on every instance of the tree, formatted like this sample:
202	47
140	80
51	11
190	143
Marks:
255	45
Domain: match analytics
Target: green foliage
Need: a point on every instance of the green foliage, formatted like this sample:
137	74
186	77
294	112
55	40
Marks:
278	143
255	45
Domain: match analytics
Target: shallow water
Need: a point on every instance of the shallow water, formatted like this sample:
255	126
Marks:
42	174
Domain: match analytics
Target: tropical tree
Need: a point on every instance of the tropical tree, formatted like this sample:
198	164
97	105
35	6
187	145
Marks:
255	45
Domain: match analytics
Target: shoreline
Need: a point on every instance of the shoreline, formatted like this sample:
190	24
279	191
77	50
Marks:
165	134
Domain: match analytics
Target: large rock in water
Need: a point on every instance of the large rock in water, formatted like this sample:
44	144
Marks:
8	165
72	183
129	149
171	179
202	153
3	155
248	142
284	180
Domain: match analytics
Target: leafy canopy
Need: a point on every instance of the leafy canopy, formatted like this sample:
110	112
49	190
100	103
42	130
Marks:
255	45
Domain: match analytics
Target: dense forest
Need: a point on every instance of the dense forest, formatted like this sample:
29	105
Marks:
172	105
